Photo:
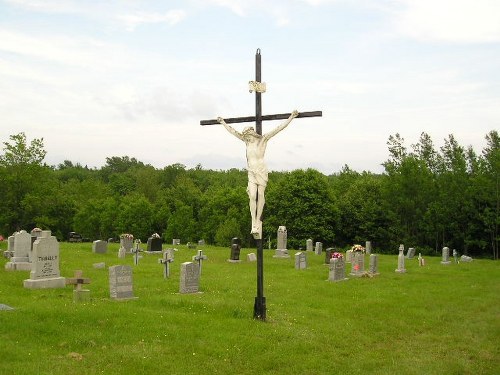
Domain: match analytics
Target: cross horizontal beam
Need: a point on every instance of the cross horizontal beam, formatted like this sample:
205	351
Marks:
280	116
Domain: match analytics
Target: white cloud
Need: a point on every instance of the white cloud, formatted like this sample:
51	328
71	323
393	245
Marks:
47	6
171	18
459	21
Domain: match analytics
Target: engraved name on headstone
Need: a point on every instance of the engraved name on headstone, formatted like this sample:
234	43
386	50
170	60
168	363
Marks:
121	283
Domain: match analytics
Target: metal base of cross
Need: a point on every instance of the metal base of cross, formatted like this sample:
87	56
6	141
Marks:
259	308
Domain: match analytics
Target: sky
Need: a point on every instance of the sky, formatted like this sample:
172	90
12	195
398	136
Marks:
97	79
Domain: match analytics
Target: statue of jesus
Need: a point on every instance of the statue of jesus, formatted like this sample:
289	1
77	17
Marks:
257	170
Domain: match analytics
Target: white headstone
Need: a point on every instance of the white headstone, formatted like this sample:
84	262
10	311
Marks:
300	261
349	254
121	283
190	278
122	252
401	260
319	248
309	245
446	256
368	247
20	259
251	257
45	266
99	247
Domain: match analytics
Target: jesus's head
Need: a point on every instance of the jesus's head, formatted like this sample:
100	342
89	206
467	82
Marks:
249	133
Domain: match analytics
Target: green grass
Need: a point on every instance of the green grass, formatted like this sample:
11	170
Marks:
432	320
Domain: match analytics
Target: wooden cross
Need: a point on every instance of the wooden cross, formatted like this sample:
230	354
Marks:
259	87
166	260
78	280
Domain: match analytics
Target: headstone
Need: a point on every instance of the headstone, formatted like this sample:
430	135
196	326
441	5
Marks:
309	245
127	241
421	261
121	283
281	250
466	259
410	254
234	256
455	255
154	244
251	257
349	254
337	269
191	245
300	261
176	241
168	257
368	247
201	243
401	260
358	264
446	256
79	294
122	252
99	247
373	270
328	254
36	232
45	267
199	258
190	278
20	260
5	307
319	248
99	266
10	248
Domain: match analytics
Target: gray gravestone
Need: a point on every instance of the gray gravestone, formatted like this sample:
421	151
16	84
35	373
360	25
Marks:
337	270
309	245
45	266
176	241
446	256
121	283
368	247
300	261
122	252
201	243
251	257
410	254
349	254
20	259
281	250
373	270
358	264
190	278
127	242
235	250
99	247
401	260
319	248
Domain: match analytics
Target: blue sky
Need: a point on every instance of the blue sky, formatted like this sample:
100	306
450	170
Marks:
98	79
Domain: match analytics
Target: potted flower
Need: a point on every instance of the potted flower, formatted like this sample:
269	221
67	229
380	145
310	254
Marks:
358	249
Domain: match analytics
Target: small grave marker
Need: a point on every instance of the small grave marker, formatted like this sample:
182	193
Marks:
199	258
136	252
300	261
79	294
251	257
168	257
446	256
190	278
120	283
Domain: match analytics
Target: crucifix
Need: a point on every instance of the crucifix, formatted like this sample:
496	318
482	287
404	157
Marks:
136	251
256	143
199	258
77	281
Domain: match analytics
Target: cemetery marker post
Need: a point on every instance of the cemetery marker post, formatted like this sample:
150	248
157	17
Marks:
258	87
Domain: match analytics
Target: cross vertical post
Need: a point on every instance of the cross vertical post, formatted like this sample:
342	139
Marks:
253	160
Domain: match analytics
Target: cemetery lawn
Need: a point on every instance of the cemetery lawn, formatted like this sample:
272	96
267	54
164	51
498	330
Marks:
432	320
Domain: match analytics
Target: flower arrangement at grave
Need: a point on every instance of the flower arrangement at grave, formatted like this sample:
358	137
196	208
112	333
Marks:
358	249
336	255
128	236
155	235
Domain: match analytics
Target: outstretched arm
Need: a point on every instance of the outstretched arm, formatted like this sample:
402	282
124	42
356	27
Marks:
230	129
279	128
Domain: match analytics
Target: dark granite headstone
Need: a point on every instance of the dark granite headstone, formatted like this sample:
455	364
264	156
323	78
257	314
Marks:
235	248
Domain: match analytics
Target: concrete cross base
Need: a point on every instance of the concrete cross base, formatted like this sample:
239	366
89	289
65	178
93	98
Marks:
53	283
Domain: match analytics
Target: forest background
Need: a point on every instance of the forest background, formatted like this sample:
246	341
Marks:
426	198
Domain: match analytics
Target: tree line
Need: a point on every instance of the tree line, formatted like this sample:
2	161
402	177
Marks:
426	198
